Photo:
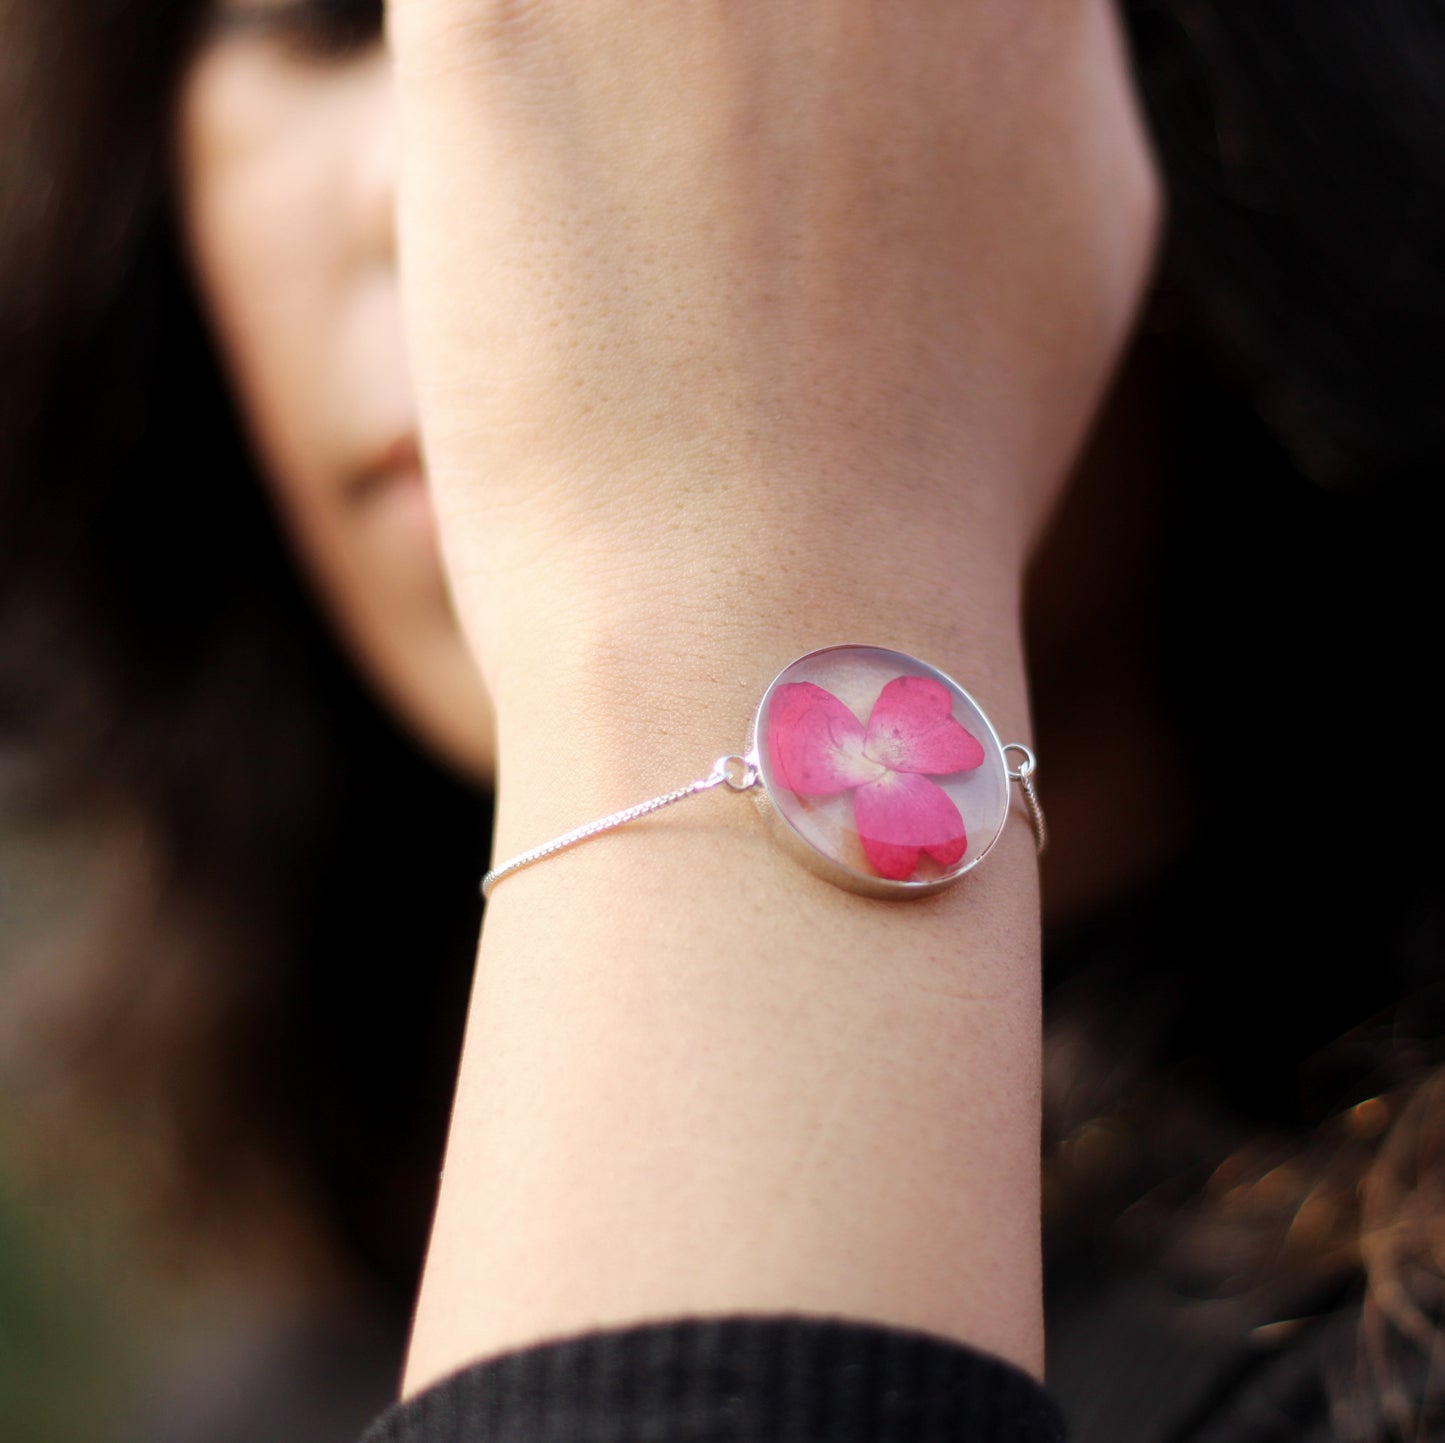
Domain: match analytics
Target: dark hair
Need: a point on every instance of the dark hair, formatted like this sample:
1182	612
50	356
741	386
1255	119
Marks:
252	993
1244	1073
188	696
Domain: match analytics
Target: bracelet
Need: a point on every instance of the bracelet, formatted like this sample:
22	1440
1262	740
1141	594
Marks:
897	805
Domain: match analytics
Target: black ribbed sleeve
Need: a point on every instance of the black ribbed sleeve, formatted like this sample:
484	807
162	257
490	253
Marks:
734	1379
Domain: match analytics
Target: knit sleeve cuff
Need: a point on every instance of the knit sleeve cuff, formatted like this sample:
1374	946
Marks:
733	1379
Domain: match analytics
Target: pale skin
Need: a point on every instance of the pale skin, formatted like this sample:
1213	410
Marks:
735	331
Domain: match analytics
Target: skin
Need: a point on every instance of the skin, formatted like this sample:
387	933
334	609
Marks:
286	176
286	166
829	304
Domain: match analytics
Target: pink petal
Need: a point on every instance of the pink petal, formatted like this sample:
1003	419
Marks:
912	729
815	742
949	853
903	815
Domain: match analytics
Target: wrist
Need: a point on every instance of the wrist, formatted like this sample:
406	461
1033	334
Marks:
607	714
612	563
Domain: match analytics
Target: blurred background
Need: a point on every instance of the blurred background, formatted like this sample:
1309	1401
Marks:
83	1321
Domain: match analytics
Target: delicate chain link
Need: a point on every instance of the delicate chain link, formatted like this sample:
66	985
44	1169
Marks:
1023	774
735	773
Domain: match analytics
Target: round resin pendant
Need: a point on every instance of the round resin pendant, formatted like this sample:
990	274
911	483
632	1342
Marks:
882	773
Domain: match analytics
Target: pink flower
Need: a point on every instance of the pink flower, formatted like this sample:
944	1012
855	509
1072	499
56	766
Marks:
819	748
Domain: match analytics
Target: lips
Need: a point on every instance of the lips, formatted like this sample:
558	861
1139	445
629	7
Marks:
396	463
391	490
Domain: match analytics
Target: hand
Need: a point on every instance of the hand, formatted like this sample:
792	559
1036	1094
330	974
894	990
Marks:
749	312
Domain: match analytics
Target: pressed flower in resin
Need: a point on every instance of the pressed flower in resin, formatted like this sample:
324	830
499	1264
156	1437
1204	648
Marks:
818	748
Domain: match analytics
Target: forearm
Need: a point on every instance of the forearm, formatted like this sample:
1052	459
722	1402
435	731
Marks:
794	317
698	1079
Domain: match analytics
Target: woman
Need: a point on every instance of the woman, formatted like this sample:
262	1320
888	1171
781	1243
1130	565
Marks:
732	355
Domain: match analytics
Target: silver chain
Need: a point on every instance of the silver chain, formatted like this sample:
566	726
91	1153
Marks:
740	774
1023	774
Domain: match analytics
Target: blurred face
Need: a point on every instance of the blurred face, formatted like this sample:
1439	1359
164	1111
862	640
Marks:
285	163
